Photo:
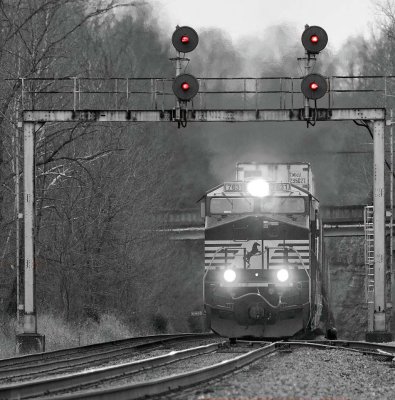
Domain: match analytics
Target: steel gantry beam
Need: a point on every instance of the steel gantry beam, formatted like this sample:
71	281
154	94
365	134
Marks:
30	340
258	115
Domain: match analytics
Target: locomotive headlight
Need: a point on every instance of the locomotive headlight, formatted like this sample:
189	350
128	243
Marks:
230	275
282	275
258	188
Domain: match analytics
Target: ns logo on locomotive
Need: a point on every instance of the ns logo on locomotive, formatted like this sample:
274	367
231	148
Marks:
264	272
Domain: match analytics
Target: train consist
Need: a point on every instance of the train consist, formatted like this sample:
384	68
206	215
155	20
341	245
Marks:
264	274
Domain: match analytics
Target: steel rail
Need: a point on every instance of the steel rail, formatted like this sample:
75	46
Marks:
87	359
380	353
363	347
175	382
56	384
34	358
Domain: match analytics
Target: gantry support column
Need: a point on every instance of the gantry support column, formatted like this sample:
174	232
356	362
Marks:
379	333
379	226
29	341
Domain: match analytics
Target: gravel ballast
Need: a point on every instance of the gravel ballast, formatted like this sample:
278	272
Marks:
304	374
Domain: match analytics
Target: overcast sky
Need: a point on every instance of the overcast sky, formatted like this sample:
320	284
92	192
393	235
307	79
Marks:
340	18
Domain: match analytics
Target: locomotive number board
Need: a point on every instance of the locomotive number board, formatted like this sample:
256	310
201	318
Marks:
242	187
279	187
235	187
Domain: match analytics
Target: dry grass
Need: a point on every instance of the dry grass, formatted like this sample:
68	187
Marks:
8	328
61	334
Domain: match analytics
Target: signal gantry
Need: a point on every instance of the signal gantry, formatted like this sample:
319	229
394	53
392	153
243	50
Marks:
185	86
313	85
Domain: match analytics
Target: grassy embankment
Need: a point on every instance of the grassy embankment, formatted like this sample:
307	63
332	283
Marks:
61	334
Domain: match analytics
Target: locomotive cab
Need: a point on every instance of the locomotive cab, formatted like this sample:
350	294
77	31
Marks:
262	250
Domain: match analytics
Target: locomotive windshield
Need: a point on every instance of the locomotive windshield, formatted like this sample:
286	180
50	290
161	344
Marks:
231	205
271	204
283	205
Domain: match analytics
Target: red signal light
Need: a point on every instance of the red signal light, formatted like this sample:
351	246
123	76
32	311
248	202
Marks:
185	39
314	86
314	39
185	87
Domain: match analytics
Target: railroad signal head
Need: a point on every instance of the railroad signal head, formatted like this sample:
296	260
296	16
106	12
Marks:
314	39
185	39
185	87
314	86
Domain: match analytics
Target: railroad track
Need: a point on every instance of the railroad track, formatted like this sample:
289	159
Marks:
237	357
60	361
79	380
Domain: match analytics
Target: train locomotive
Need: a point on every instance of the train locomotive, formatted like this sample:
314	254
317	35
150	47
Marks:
264	272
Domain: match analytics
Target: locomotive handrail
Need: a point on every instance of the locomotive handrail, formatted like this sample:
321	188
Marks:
212	258
304	267
299	256
304	191
303	264
295	251
209	269
273	307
